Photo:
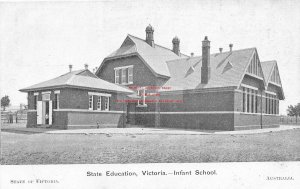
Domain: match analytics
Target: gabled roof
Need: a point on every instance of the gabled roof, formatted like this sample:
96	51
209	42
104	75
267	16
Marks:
154	57
268	68
78	79
227	70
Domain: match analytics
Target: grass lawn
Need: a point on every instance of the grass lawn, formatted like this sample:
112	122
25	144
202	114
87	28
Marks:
79	148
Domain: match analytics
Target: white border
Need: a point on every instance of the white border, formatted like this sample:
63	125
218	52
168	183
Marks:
99	94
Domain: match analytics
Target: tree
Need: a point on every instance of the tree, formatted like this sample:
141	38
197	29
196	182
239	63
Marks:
5	102
294	110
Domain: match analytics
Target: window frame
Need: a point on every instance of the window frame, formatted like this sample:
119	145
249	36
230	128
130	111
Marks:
124	77
91	102
99	102
143	104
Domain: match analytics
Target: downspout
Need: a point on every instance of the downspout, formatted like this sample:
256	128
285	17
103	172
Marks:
261	108
124	113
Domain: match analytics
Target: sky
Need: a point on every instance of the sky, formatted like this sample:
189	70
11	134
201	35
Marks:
38	40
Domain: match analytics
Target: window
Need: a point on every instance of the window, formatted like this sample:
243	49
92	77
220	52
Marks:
90	102
106	103
117	76
124	75
272	104
256	101
56	101
98	102
267	104
101	100
250	100
141	92
244	100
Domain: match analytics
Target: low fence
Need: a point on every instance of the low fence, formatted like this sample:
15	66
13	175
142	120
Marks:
13	117
289	120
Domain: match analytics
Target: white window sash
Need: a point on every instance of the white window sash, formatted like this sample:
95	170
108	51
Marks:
117	76
106	103
124	76
126	73
57	101
91	102
98	102
130	75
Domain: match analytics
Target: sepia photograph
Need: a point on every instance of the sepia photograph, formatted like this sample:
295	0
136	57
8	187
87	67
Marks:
146	82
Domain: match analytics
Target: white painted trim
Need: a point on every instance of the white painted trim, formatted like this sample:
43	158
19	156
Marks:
264	126
84	110
36	94
99	94
31	110
276	84
196	112
250	87
249	126
57	92
269	92
95	125
46	92
206	112
123	67
195	91
255	76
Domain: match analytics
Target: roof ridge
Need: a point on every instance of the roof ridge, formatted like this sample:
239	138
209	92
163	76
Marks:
237	50
70	79
156	45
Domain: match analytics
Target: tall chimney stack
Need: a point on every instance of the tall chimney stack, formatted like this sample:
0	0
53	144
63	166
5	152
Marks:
70	67
149	35
205	69
176	45
230	46
220	49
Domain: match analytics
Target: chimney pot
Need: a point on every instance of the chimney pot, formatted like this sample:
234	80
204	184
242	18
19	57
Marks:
220	49
149	35
86	66
70	67
192	54
230	46
176	45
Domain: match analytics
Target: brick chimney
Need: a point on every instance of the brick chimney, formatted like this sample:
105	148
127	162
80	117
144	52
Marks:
220	49
176	45
86	66
230	46
149	35
205	69
70	67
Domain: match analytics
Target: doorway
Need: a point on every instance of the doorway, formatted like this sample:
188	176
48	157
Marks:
44	110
